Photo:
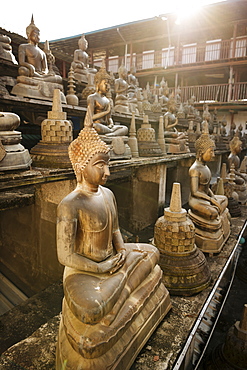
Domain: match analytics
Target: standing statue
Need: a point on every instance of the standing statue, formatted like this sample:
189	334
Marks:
121	89
209	212
111	288
80	62
35	80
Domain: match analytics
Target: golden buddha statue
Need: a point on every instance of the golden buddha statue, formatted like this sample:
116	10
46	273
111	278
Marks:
80	62
121	90
111	288
209	212
35	80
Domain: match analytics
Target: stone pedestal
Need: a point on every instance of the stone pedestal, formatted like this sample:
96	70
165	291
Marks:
185	270
56	131
13	155
211	235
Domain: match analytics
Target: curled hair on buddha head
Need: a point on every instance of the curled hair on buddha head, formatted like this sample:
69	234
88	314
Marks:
85	146
101	74
204	142
31	28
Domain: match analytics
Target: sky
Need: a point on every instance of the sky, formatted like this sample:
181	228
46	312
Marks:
61	19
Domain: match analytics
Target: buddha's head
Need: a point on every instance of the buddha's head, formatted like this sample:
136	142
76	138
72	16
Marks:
85	147
205	146
235	145
171	104
32	31
122	71
102	80
83	44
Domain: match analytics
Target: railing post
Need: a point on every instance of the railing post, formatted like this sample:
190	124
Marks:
230	84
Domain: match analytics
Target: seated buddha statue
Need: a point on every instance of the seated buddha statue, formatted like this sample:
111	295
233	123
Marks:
121	89
209	212
80	62
234	163
111	288
99	106
176	142
35	80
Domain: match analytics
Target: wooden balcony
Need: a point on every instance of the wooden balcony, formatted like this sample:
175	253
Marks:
221	93
213	51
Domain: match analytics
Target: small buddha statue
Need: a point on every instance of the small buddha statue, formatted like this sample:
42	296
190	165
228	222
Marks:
80	62
99	106
177	142
35	80
111	288
209	212
121	90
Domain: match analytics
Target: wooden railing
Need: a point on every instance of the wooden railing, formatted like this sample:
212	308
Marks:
211	51
222	93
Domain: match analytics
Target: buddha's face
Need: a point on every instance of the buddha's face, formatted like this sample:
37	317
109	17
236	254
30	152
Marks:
97	169
35	36
208	155
103	86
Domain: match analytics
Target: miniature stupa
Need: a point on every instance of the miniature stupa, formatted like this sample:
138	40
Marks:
185	269
13	155
147	144
57	134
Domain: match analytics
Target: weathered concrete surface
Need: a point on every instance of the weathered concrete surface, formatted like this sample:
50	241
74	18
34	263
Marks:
160	352
24	319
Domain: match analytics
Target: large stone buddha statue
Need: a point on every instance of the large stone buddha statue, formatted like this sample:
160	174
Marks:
35	80
100	107
208	211
80	62
114	296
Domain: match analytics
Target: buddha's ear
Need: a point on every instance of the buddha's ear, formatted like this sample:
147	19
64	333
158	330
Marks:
78	172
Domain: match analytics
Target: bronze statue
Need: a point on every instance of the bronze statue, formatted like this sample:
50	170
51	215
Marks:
208	211
111	288
80	62
34	78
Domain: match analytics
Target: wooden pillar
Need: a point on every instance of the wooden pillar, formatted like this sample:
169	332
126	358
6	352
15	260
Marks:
234	39
131	54
230	84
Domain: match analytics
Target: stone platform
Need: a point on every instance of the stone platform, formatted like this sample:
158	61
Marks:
36	350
